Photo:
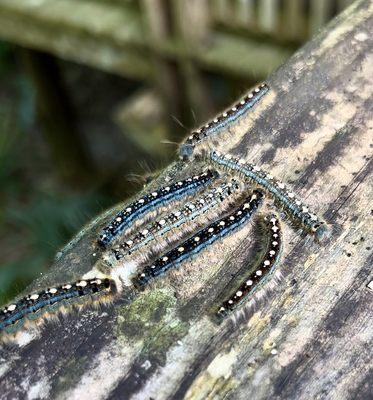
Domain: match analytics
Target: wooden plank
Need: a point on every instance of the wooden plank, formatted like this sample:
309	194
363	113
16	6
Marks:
294	26
247	54
268	13
158	22
245	14
193	32
192	21
95	34
319	14
222	10
310	337
112	38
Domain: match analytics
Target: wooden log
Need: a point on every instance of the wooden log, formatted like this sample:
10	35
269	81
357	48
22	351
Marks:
309	337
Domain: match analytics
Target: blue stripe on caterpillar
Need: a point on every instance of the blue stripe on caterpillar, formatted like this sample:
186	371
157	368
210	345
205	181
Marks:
213	127
29	306
161	196
201	239
277	189
188	212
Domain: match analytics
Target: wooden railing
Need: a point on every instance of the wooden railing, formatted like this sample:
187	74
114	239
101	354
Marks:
169	44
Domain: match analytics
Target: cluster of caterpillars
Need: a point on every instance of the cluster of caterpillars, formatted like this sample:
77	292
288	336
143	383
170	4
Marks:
167	226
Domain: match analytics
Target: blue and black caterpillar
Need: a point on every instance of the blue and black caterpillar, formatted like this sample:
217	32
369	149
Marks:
212	128
212	198
276	189
35	305
201	239
151	200
263	270
180	217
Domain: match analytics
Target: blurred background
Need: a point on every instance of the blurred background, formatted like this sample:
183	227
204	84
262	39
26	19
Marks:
95	95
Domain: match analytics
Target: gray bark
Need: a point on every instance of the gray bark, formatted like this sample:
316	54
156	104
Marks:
307	338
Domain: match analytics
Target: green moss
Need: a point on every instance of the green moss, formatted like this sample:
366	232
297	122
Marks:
145	313
151	319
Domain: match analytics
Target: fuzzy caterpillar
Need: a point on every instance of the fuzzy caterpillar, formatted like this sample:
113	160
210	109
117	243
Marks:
201	239
188	212
276	189
212	128
151	200
263	270
35	305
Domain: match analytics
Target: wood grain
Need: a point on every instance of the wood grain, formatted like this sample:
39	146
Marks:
310	336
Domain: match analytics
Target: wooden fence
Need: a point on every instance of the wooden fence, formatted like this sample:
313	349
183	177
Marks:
169	45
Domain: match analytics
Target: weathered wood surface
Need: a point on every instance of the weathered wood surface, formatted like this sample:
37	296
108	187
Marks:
310	338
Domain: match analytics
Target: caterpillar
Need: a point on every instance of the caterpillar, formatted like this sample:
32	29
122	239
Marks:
200	240
188	212
150	201
53	299
186	149
276	189
262	271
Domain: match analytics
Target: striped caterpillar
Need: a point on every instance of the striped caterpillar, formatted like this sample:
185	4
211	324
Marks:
55	299
175	236
263	270
176	219
274	188
200	240
220	122
151	200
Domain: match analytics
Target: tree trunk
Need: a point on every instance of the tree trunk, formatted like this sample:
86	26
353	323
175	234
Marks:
308	338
